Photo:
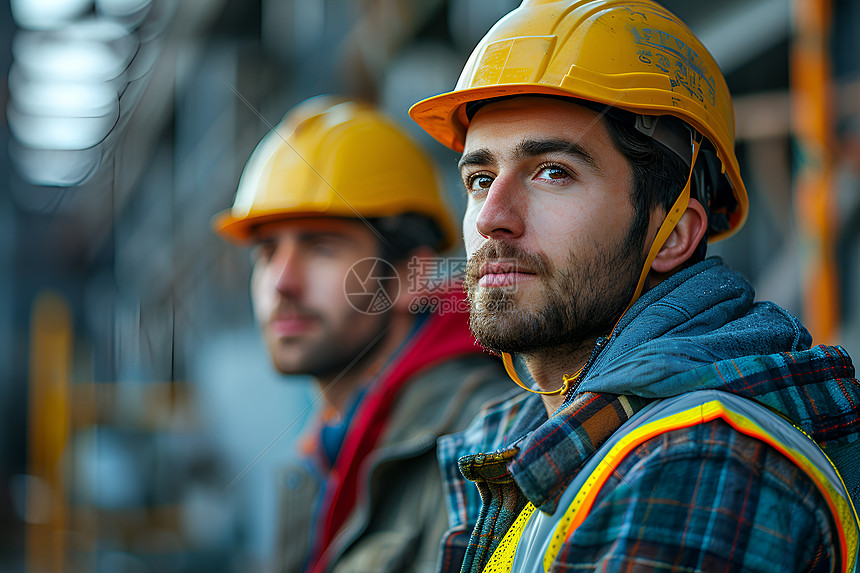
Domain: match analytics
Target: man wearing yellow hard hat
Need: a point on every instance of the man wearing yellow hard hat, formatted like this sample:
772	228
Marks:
667	421
339	204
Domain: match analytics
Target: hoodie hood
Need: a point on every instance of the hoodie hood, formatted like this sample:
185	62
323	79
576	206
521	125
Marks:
701	315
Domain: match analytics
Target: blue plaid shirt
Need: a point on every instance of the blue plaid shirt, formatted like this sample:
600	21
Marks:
703	498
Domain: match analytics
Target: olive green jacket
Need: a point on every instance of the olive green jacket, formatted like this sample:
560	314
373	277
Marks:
399	517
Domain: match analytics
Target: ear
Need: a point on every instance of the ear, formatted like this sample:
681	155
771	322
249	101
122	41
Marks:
683	240
414	282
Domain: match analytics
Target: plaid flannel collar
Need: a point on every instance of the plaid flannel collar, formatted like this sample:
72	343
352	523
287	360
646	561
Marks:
545	461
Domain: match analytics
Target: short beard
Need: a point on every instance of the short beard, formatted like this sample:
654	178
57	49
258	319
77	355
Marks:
332	355
581	301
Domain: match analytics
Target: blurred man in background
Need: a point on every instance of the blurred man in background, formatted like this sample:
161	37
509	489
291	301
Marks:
598	158
344	212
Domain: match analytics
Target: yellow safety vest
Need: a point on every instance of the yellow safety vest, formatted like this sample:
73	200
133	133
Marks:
536	538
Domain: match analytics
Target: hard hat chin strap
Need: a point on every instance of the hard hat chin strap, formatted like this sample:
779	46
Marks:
672	217
567	379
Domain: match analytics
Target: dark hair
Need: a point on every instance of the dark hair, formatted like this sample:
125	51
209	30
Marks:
401	234
659	175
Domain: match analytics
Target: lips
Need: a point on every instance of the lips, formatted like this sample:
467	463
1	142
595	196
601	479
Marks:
503	273
284	325
502	264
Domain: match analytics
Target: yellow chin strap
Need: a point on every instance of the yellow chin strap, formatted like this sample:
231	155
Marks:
669	223
567	379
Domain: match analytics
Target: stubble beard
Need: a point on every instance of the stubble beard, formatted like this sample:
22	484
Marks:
328	355
577	303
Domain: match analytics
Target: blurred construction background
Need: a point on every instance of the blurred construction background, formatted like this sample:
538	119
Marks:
140	424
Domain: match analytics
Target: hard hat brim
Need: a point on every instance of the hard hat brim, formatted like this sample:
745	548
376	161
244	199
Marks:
444	118
240	229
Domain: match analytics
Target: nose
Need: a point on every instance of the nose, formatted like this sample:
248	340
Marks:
502	214
286	270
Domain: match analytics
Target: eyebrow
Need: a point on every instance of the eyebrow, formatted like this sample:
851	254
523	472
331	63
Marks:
534	148
477	157
311	235
303	235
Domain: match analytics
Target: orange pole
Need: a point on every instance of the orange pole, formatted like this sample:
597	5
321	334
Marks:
812	102
48	431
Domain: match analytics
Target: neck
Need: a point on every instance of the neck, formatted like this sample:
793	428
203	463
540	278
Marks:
338	387
549	366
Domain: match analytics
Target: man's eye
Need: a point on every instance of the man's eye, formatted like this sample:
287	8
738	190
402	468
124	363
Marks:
263	252
553	173
478	182
324	247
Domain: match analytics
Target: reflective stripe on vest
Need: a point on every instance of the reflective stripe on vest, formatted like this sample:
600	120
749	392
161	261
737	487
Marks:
536	537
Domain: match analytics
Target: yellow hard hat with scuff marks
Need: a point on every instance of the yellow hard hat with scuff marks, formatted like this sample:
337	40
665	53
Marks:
633	55
334	157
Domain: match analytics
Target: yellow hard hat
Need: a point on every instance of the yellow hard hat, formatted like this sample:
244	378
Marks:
334	157
629	54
